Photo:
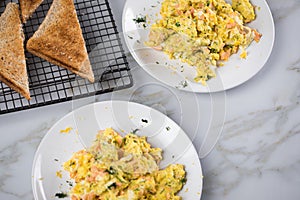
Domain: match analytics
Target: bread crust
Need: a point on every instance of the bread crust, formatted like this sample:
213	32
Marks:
28	7
59	40
13	70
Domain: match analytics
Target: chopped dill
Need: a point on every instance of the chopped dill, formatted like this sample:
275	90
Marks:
141	19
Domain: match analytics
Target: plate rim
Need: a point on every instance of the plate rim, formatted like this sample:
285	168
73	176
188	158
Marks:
108	102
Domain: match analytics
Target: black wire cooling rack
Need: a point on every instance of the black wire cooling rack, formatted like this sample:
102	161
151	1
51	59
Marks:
50	84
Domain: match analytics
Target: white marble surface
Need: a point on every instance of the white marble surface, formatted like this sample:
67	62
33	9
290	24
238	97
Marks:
258	154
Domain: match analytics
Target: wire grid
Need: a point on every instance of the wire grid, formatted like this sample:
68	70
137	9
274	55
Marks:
51	84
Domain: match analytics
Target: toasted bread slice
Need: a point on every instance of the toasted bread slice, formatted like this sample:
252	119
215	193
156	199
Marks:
28	7
59	40
12	57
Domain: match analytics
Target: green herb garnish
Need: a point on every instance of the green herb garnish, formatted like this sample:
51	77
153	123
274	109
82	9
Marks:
69	183
145	120
135	131
140	19
113	185
209	77
184	83
213	51
111	170
61	195
177	24
183	181
207	3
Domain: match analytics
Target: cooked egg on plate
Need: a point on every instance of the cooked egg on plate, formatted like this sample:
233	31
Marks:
209	45
122	168
140	154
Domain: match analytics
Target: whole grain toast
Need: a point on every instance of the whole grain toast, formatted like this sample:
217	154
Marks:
59	40
28	7
12	57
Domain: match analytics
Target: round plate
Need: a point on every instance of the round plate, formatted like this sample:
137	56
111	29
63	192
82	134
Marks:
177	74
57	147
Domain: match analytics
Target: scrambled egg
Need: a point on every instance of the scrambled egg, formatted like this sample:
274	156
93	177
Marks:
203	33
67	130
245	8
123	168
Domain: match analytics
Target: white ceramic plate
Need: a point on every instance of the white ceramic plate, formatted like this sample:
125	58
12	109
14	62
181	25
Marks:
235	72
56	147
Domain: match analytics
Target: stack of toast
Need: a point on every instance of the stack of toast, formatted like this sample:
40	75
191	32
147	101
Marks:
58	40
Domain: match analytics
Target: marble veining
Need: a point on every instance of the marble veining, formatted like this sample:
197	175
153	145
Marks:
295	66
258	154
282	9
16	160
259	140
